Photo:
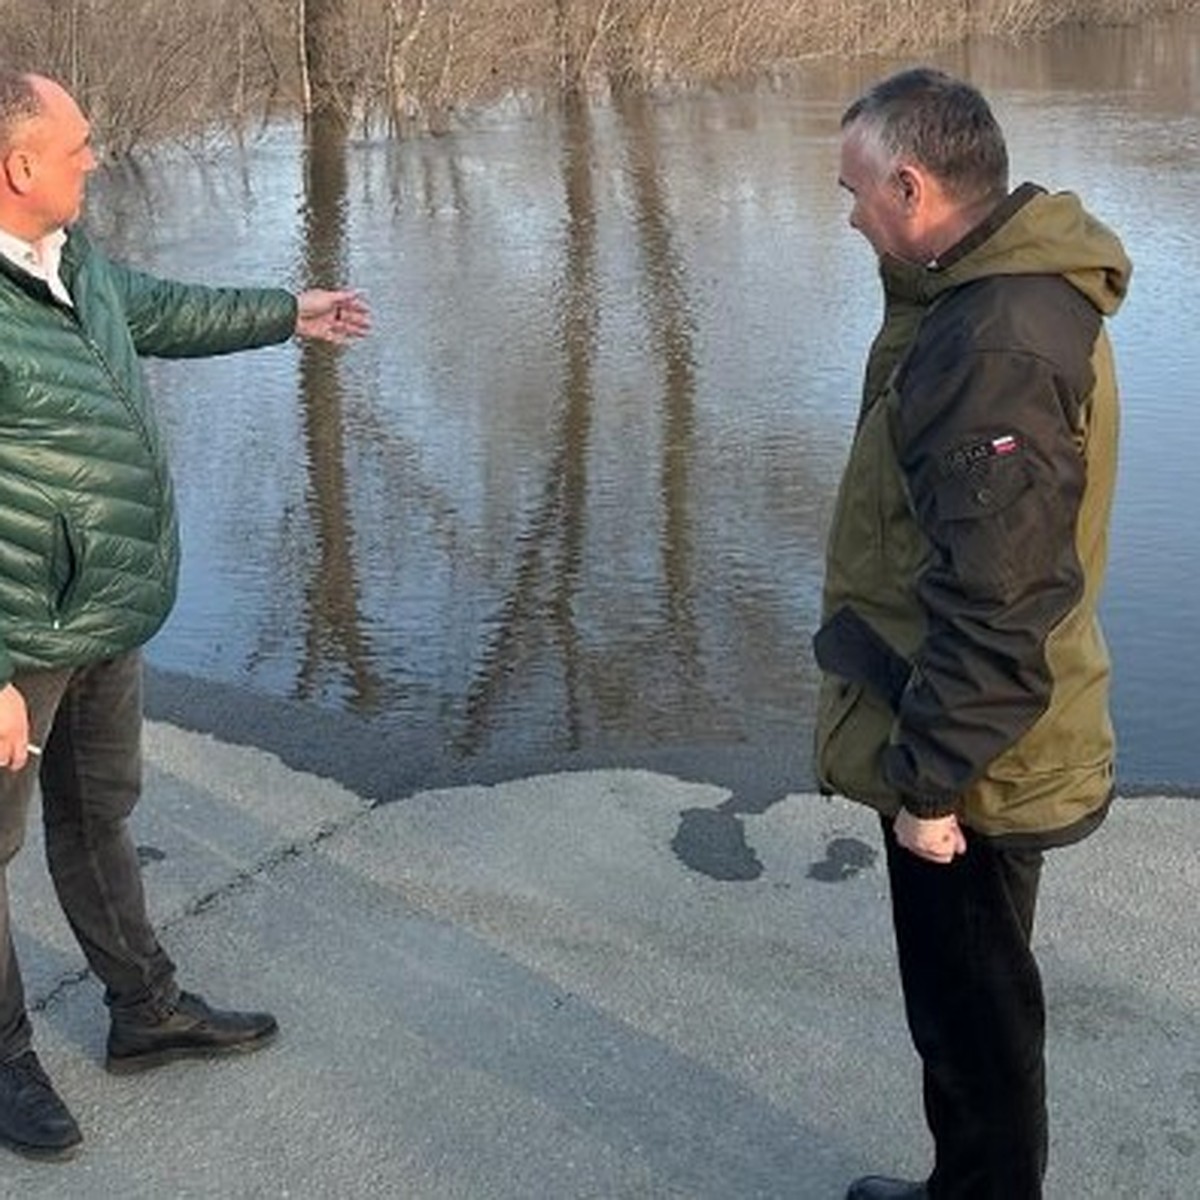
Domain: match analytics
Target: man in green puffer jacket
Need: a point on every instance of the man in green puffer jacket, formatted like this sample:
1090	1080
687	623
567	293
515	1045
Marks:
965	677
88	565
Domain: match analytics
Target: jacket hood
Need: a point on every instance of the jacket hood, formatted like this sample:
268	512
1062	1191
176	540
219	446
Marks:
1032	232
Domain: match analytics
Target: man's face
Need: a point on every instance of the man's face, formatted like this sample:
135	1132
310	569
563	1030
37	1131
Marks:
58	158
879	210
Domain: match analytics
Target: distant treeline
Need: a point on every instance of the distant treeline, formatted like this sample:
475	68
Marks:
149	69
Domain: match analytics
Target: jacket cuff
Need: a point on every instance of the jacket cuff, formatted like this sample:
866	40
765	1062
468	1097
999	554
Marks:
916	795
926	809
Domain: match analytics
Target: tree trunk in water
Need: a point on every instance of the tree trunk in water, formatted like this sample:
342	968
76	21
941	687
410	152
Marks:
329	92
406	20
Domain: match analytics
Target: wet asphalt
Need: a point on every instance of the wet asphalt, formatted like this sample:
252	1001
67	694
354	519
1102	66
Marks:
669	981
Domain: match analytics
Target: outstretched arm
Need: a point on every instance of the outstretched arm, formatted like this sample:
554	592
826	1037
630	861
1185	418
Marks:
328	316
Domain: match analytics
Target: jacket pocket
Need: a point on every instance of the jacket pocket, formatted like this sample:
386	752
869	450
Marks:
985	526
834	706
847	645
65	563
854	726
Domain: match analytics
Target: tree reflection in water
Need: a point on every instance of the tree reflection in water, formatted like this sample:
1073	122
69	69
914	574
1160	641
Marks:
570	496
332	609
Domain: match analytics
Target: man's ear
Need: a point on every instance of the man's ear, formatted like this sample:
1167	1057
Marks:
909	185
18	171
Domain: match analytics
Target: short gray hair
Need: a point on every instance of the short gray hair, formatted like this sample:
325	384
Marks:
19	101
941	123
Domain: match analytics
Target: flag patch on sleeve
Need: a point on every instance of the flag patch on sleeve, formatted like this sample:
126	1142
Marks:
969	456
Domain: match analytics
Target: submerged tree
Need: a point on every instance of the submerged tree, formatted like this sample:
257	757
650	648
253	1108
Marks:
148	70
326	84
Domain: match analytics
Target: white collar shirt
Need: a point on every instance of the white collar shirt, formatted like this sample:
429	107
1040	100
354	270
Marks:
39	259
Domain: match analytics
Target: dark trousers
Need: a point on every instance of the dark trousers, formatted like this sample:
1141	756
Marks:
89	722
973	997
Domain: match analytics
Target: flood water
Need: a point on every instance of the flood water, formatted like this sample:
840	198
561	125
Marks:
569	500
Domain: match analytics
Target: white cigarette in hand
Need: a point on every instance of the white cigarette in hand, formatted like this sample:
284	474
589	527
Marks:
36	751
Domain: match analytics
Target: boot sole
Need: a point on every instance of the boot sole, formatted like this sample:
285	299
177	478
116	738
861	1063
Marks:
132	1064
42	1153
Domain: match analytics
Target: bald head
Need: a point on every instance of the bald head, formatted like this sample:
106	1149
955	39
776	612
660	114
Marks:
45	155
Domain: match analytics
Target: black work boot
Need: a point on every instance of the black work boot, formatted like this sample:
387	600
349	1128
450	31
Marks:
33	1119
189	1030
883	1187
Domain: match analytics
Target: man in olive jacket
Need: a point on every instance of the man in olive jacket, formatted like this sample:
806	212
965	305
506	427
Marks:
88	566
965	677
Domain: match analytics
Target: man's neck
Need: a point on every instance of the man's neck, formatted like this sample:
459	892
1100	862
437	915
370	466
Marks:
955	226
17	223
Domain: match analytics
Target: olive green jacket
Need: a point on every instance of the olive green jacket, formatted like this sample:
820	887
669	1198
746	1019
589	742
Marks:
964	670
89	548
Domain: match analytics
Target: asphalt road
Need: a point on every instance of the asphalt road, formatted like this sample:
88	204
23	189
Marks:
614	983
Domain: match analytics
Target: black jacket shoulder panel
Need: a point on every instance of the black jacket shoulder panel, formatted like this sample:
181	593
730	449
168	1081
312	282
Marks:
1042	316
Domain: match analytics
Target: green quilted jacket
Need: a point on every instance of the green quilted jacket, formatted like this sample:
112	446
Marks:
89	547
